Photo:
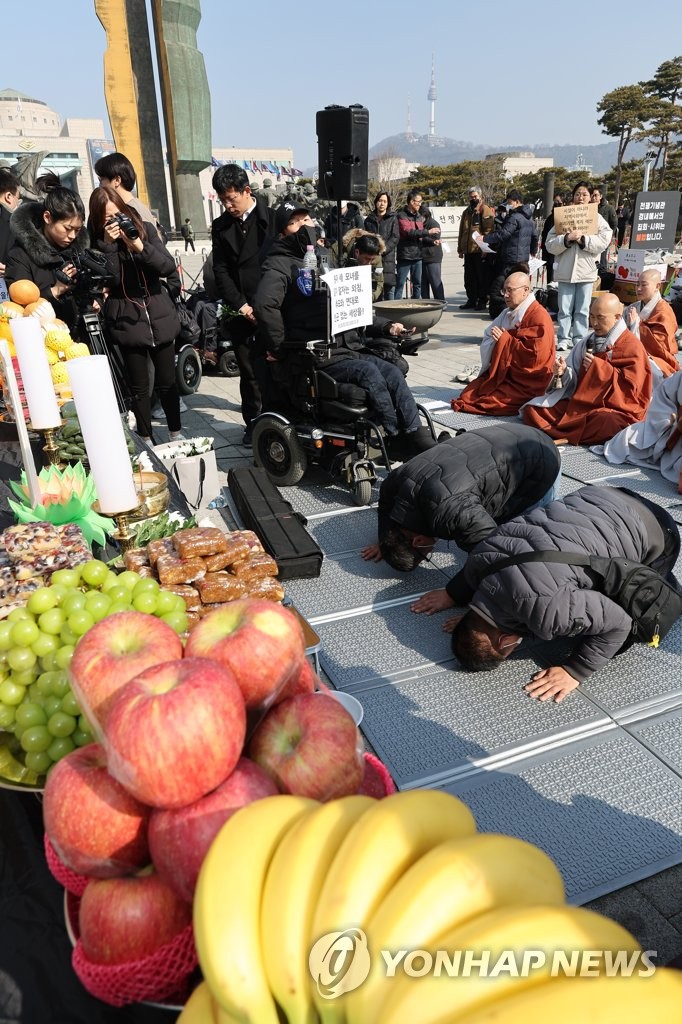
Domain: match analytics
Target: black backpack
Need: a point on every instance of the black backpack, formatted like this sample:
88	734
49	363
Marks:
653	603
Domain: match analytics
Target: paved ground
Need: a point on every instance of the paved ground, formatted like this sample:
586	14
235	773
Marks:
651	909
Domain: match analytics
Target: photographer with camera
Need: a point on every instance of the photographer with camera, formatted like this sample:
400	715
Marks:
139	314
47	236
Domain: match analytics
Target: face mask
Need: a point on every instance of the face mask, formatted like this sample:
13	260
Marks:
473	203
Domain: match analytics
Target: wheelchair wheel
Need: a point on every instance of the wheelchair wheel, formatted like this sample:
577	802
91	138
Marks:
362	487
227	365
277	450
188	371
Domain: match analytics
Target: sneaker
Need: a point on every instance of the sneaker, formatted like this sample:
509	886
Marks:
468	304
157	412
564	346
470	373
177	435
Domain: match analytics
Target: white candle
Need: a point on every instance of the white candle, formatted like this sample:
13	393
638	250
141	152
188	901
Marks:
105	443
35	372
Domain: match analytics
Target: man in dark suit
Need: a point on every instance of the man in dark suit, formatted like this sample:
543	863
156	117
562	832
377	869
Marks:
9	200
237	237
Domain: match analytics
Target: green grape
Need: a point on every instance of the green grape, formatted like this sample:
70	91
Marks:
119	606
146	602
128	579
33	694
37	737
45	644
70	705
176	621
52	705
119	593
84	725
146	584
28	714
81	739
7	715
52	621
80	622
44	683
6	635
11	692
73	602
41	600
94	572
97	604
21	658
110	581
180	606
19	613
64	655
38	761
26	677
24	633
60	724
48	662
59	591
60	747
60	685
68	577
67	636
166	602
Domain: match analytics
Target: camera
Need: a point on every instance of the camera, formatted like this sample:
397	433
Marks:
126	225
92	273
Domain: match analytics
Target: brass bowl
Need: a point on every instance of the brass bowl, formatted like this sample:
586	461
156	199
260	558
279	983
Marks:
152	490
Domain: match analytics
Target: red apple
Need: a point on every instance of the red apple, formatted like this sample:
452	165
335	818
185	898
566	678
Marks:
123	919
179	839
96	827
310	746
261	642
176	731
115	650
304	680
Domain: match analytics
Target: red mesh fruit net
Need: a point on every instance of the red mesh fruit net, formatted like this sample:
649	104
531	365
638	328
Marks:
376	780
163	975
71	880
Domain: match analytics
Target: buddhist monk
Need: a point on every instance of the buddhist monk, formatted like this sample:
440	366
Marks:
603	385
517	355
651	319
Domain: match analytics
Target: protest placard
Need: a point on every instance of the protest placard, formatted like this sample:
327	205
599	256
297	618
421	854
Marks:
582	218
351	297
654	222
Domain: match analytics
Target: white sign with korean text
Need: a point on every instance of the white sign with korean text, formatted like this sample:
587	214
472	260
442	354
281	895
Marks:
350	291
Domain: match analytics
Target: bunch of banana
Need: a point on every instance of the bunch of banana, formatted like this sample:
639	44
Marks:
70	441
296	900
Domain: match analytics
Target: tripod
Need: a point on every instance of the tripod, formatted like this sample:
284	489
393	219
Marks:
90	331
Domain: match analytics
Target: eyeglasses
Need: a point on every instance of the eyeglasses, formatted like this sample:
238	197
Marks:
508	290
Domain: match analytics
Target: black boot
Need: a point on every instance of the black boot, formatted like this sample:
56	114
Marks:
468	304
420	440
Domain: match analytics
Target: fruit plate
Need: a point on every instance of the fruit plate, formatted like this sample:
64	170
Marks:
13	775
71	904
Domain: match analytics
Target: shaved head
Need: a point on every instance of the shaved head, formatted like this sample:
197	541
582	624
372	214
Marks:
652	276
516	289
605	313
518	280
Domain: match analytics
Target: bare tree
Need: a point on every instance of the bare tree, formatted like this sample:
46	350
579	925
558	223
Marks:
389	174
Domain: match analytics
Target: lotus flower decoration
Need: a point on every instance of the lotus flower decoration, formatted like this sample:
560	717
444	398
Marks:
67	497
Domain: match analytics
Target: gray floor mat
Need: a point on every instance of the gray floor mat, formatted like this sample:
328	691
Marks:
469	420
663	737
321	497
604	808
582	464
426	393
347	583
651	485
364	649
337	534
445	722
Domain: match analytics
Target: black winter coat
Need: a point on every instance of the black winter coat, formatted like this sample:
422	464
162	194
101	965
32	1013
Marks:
465	486
516	238
352	218
412	234
5	233
548	599
236	267
31	257
139	312
387	228
432	253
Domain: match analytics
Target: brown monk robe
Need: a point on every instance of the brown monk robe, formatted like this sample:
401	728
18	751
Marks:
517	355
652	320
604	385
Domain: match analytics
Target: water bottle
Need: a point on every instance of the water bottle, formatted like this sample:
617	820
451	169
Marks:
306	276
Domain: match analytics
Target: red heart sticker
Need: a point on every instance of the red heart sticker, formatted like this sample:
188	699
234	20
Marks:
623	271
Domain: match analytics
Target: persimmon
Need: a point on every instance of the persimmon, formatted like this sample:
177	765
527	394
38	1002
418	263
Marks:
24	291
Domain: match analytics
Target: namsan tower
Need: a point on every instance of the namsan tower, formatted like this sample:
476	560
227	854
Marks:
432	104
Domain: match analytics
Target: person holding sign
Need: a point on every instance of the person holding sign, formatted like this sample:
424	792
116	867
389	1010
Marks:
604	385
651	319
291	312
576	240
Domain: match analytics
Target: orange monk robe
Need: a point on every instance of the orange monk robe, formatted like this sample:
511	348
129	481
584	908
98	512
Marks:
657	334
612	393
521	366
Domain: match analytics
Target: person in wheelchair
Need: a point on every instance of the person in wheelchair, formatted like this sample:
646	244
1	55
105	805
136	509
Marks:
288	315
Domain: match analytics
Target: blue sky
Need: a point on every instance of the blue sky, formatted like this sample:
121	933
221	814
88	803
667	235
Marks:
505	74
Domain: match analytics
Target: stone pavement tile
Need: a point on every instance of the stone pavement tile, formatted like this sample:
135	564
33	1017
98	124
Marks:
665	892
631	909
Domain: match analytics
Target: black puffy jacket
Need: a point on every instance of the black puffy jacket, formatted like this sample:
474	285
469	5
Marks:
464	487
516	238
387	228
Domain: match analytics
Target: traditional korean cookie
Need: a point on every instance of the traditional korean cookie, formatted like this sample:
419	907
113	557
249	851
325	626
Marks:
40	563
220	587
255	566
135	559
31	537
172	569
190	595
200	540
265	588
236	549
156	548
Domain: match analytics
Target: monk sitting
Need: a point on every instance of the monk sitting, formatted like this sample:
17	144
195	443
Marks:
604	385
517	355
651	319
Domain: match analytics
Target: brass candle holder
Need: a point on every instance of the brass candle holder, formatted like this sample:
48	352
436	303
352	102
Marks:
50	447
124	536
